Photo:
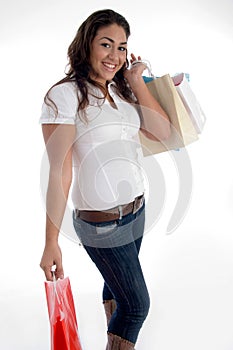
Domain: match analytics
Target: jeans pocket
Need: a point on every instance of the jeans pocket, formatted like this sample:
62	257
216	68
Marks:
109	228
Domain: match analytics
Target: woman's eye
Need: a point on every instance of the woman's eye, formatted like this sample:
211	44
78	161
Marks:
105	45
121	48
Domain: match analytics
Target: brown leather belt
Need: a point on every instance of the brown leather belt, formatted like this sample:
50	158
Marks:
110	214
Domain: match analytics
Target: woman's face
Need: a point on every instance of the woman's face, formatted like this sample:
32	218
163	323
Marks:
108	53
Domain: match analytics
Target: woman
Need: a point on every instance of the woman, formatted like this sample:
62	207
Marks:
90	122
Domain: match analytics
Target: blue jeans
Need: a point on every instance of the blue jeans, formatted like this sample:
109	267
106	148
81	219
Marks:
121	270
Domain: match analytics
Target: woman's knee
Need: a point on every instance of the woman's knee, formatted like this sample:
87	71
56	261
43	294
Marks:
144	307
137	309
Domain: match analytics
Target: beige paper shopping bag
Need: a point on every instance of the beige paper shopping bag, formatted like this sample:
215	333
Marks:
183	131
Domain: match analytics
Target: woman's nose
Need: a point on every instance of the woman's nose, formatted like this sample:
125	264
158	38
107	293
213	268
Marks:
113	54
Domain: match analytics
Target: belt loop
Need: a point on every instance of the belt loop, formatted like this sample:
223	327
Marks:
120	211
135	205
76	212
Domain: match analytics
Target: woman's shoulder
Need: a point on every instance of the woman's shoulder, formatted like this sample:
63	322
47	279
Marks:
63	88
60	104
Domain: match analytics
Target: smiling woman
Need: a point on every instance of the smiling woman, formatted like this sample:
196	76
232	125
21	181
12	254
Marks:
82	130
108	54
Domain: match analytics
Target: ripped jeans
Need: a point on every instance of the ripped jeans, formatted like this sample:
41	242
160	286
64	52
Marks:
114	248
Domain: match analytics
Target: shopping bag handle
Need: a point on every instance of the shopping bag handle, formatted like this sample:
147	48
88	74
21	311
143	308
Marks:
147	64
55	287
152	76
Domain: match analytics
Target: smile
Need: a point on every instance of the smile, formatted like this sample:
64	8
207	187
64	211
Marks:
110	66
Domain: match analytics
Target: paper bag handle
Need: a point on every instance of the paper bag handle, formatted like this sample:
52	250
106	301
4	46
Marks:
147	64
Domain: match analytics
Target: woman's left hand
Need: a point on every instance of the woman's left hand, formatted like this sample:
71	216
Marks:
134	74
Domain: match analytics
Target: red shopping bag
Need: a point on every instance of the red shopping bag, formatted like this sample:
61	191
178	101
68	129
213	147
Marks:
62	316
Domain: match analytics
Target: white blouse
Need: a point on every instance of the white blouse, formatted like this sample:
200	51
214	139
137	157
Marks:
106	168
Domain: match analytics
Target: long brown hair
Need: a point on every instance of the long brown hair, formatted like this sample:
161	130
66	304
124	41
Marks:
79	54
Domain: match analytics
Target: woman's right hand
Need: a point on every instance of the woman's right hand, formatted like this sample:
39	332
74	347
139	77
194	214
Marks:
52	256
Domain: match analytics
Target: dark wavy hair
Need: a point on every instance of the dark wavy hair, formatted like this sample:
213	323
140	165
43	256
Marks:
79	58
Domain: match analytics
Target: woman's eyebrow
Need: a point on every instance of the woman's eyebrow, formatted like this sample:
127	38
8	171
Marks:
112	41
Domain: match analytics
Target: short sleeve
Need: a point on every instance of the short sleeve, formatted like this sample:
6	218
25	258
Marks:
64	96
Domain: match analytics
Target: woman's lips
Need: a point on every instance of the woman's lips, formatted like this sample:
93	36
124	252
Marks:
111	67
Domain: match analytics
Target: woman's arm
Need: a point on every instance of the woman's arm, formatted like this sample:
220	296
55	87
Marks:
155	123
59	140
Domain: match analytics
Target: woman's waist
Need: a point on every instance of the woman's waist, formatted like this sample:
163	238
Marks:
115	213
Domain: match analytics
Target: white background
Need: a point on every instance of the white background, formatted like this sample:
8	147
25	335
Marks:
190	272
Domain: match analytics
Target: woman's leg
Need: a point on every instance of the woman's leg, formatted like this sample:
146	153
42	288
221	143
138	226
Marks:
107	294
114	249
108	298
120	268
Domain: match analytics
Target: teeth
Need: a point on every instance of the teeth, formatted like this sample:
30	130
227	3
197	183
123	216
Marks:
111	66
